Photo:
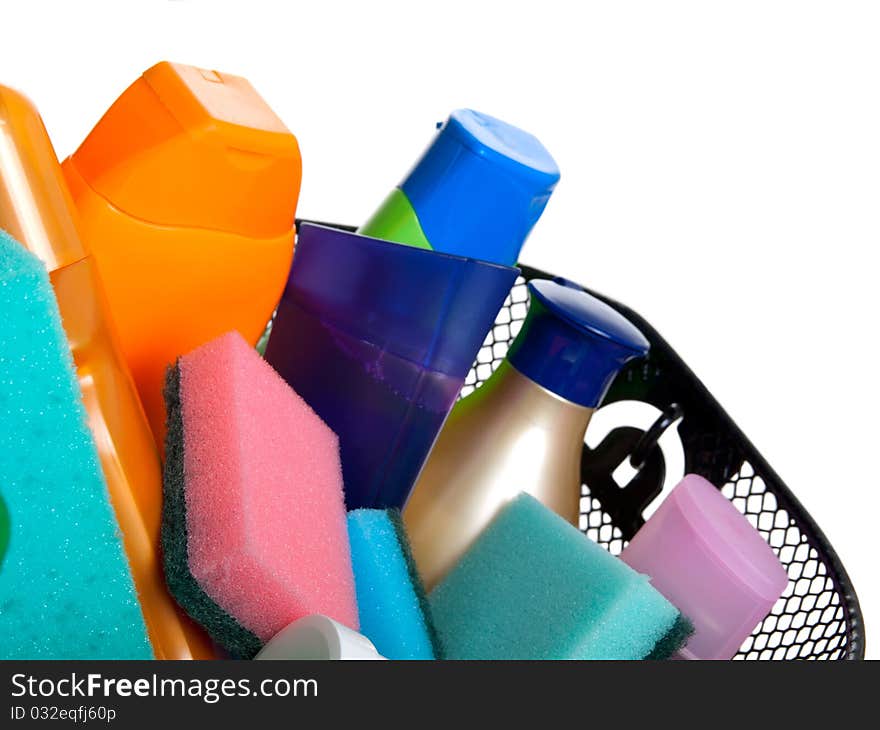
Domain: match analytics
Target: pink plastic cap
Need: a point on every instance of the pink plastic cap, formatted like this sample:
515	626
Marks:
709	561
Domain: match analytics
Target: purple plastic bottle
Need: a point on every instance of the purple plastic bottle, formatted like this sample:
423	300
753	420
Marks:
378	339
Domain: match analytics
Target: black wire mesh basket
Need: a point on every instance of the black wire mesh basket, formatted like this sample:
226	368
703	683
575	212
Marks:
818	615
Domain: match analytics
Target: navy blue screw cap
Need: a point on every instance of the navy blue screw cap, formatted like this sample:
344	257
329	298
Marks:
572	344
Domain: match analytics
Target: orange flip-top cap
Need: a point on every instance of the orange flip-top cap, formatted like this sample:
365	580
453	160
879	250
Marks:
186	191
235	148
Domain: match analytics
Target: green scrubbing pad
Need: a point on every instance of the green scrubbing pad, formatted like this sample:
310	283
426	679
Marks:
237	640
66	591
532	586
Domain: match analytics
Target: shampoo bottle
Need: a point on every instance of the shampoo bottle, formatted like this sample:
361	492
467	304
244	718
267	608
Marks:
378	339
523	430
477	191
36	209
186	191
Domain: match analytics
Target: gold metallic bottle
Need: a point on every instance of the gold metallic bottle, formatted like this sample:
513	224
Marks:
523	430
36	210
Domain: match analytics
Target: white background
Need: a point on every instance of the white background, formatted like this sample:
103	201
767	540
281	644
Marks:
720	170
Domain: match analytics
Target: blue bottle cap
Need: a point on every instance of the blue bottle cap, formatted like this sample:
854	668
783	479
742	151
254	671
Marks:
572	344
480	187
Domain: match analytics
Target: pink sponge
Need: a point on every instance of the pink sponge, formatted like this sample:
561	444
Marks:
265	525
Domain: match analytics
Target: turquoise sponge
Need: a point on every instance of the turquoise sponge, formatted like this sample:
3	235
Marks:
393	609
533	587
4	530
65	587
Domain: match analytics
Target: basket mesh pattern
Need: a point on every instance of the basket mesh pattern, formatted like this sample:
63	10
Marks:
808	621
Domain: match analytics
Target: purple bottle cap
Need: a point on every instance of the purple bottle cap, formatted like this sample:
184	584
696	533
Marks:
709	562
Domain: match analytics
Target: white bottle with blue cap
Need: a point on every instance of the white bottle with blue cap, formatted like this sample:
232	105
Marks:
523	430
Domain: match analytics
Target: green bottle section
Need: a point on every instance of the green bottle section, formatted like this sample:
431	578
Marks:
396	221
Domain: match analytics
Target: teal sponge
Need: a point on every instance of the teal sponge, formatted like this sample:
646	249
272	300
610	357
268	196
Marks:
4	530
393	609
534	587
65	588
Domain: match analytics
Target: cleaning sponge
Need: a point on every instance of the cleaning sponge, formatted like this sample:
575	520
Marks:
533	587
4	529
394	610
66	591
254	532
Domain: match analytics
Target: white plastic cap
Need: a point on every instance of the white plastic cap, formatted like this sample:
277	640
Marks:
318	637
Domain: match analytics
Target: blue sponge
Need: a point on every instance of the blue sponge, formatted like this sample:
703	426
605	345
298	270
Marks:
393	610
66	591
534	587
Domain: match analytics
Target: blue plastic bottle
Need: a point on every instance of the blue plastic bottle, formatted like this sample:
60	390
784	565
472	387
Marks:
378	339
477	191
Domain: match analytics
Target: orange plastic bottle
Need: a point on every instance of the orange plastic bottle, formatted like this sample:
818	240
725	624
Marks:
36	209
187	192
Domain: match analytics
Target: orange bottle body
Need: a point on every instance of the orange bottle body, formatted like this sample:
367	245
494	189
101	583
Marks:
36	209
186	191
129	458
